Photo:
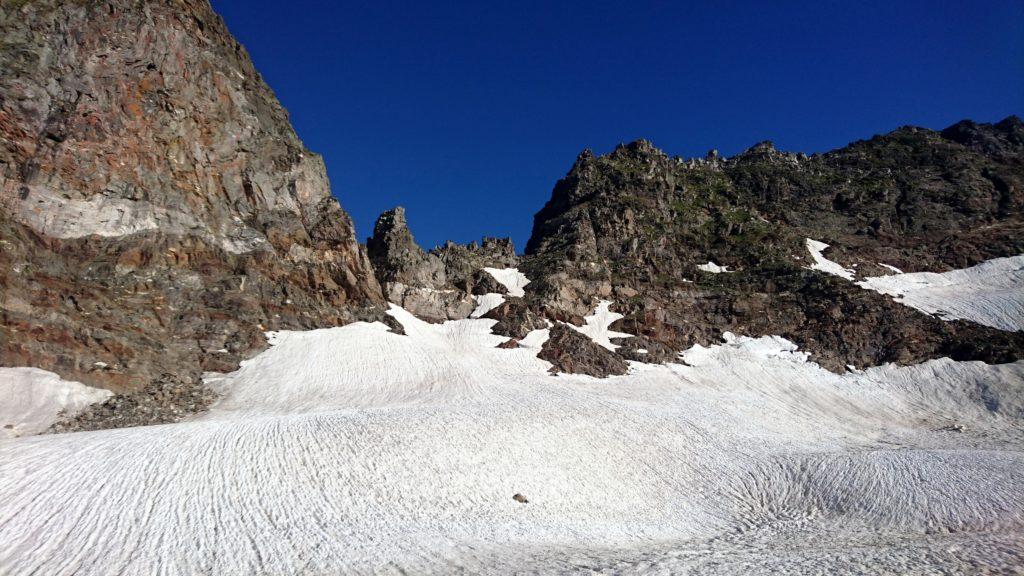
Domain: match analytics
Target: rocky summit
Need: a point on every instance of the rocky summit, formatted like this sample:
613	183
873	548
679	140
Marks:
159	215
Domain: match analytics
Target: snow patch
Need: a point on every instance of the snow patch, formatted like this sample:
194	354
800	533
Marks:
597	326
511	278
33	399
824	264
713	268
759	349
485	303
990	293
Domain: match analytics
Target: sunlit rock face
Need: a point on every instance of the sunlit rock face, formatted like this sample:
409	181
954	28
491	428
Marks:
157	211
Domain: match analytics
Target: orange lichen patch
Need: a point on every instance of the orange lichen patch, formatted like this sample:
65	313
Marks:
133	108
16	138
147	84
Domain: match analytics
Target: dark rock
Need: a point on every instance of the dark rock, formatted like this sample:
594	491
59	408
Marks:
163	401
643	349
1004	138
397	258
464	261
393	324
573	353
484	283
515	319
520	498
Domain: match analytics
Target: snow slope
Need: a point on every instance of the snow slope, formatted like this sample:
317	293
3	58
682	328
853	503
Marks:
991	293
511	278
357	450
32	400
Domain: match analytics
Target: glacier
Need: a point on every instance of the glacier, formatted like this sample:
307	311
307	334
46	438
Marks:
358	450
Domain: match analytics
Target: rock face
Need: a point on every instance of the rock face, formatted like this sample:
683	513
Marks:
573	353
640	228
412	278
435	285
157	211
463	263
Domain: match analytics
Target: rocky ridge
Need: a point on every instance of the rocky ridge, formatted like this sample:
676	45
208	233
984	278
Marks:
436	285
641	228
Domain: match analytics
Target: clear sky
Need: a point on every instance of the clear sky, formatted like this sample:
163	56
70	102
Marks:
466	113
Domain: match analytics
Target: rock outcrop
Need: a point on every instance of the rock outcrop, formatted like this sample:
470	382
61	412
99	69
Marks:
653	233
410	277
157	211
436	285
573	353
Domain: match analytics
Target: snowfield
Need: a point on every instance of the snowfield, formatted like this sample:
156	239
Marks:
358	450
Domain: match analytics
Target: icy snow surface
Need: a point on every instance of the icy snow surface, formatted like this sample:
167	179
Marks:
991	293
31	400
713	268
358	450
511	278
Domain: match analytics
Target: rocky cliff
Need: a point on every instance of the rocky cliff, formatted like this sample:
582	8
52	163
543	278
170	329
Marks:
157	211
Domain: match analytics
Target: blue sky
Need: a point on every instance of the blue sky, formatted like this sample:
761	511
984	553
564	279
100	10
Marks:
467	113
